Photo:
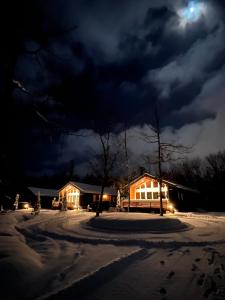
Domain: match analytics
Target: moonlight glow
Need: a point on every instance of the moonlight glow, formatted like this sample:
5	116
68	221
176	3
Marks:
192	12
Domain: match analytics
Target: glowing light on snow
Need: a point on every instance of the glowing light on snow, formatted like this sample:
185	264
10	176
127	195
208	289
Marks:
192	12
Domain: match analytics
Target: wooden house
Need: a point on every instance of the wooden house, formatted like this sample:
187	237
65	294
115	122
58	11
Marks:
80	195
144	194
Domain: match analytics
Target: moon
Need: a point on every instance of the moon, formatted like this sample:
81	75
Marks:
192	12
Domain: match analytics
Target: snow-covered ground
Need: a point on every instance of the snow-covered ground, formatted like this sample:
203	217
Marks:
62	255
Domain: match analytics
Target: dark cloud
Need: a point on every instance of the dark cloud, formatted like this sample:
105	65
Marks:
100	62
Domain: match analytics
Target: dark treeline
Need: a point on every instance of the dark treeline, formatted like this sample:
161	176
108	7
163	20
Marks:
206	175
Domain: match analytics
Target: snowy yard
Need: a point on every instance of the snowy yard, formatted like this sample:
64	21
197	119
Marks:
63	255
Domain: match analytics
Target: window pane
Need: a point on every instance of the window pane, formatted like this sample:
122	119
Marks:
142	186
155	183
142	195
148	184
149	195
137	195
155	195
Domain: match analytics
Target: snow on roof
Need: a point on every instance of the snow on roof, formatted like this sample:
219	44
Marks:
170	183
43	191
93	189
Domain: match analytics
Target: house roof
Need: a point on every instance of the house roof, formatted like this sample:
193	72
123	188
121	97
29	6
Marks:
92	189
170	183
179	186
43	191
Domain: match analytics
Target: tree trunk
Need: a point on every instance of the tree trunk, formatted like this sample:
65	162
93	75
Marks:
128	170
159	162
99	207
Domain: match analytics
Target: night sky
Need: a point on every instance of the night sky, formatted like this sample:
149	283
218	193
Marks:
82	66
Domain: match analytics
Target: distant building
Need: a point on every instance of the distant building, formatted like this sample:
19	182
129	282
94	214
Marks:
28	194
80	195
144	194
47	195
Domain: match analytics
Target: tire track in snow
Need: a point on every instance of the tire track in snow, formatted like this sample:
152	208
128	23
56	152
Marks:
95	279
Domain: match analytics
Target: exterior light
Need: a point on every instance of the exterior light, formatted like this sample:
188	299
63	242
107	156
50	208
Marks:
171	206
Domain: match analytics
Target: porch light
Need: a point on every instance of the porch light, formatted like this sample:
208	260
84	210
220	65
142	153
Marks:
171	207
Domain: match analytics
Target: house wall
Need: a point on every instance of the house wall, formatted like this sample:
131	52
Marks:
76	199
184	200
72	195
144	193
46	202
147	189
107	201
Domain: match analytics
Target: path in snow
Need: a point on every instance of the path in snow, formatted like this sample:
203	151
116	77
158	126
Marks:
57	256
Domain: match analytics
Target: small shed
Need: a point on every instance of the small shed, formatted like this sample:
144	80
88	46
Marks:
47	195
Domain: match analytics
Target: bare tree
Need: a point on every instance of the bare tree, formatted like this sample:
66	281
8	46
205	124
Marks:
105	162
21	24
64	204
165	151
127	167
37	205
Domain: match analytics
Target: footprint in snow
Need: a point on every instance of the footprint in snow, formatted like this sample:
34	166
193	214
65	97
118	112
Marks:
212	288
171	274
194	267
162	291
201	279
217	270
186	251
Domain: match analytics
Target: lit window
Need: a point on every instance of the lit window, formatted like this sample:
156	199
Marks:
142	186
155	195
142	195
137	195
155	183
163	195
148	184
149	195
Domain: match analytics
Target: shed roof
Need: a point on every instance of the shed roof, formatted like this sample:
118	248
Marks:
43	191
92	189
